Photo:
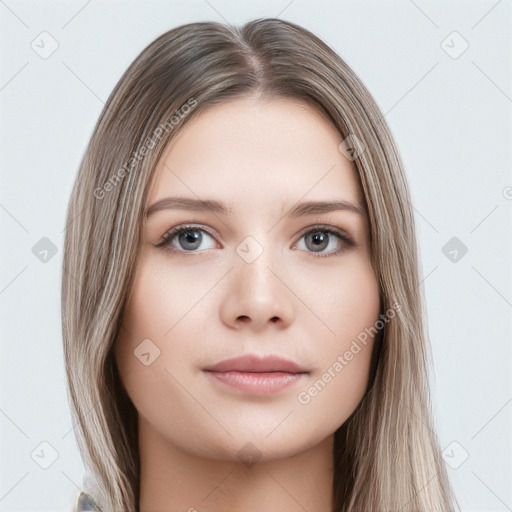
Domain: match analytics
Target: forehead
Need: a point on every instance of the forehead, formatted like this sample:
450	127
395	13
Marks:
255	154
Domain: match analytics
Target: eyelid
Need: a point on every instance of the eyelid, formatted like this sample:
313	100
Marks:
328	228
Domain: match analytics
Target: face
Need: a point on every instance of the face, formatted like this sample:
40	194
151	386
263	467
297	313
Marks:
256	273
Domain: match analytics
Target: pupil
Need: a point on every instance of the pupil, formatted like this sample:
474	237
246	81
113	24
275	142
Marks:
319	238
190	237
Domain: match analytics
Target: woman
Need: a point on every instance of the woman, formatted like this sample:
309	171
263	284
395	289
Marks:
242	322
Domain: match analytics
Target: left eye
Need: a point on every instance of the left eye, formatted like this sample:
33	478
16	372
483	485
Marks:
317	239
321	237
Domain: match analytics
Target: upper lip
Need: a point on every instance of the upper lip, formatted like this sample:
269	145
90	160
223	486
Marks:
256	364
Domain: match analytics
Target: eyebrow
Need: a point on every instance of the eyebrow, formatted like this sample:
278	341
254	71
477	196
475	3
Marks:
298	210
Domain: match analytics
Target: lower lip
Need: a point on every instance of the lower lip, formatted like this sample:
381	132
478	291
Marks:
257	382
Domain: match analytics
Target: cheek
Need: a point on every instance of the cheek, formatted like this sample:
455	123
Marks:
356	311
350	305
163	295
345	299
355	301
154	345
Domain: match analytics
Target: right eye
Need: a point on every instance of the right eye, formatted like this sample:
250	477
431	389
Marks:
185	238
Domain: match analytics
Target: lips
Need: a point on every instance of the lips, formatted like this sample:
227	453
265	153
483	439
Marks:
256	375
255	364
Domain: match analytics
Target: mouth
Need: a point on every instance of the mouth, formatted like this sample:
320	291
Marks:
252	363
256	375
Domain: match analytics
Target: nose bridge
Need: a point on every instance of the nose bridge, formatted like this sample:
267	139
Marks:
254	257
256	295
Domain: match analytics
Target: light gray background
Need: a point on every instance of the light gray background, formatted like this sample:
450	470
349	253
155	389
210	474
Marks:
451	118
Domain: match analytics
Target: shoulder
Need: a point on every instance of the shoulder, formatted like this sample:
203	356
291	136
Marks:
84	503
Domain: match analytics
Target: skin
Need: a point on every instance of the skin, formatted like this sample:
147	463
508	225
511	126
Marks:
201	306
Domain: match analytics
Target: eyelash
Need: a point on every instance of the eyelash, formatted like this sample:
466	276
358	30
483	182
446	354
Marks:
324	228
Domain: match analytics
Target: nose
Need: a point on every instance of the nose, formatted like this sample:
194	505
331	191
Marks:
257	295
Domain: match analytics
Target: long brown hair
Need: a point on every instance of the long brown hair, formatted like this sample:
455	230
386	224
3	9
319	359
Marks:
386	455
